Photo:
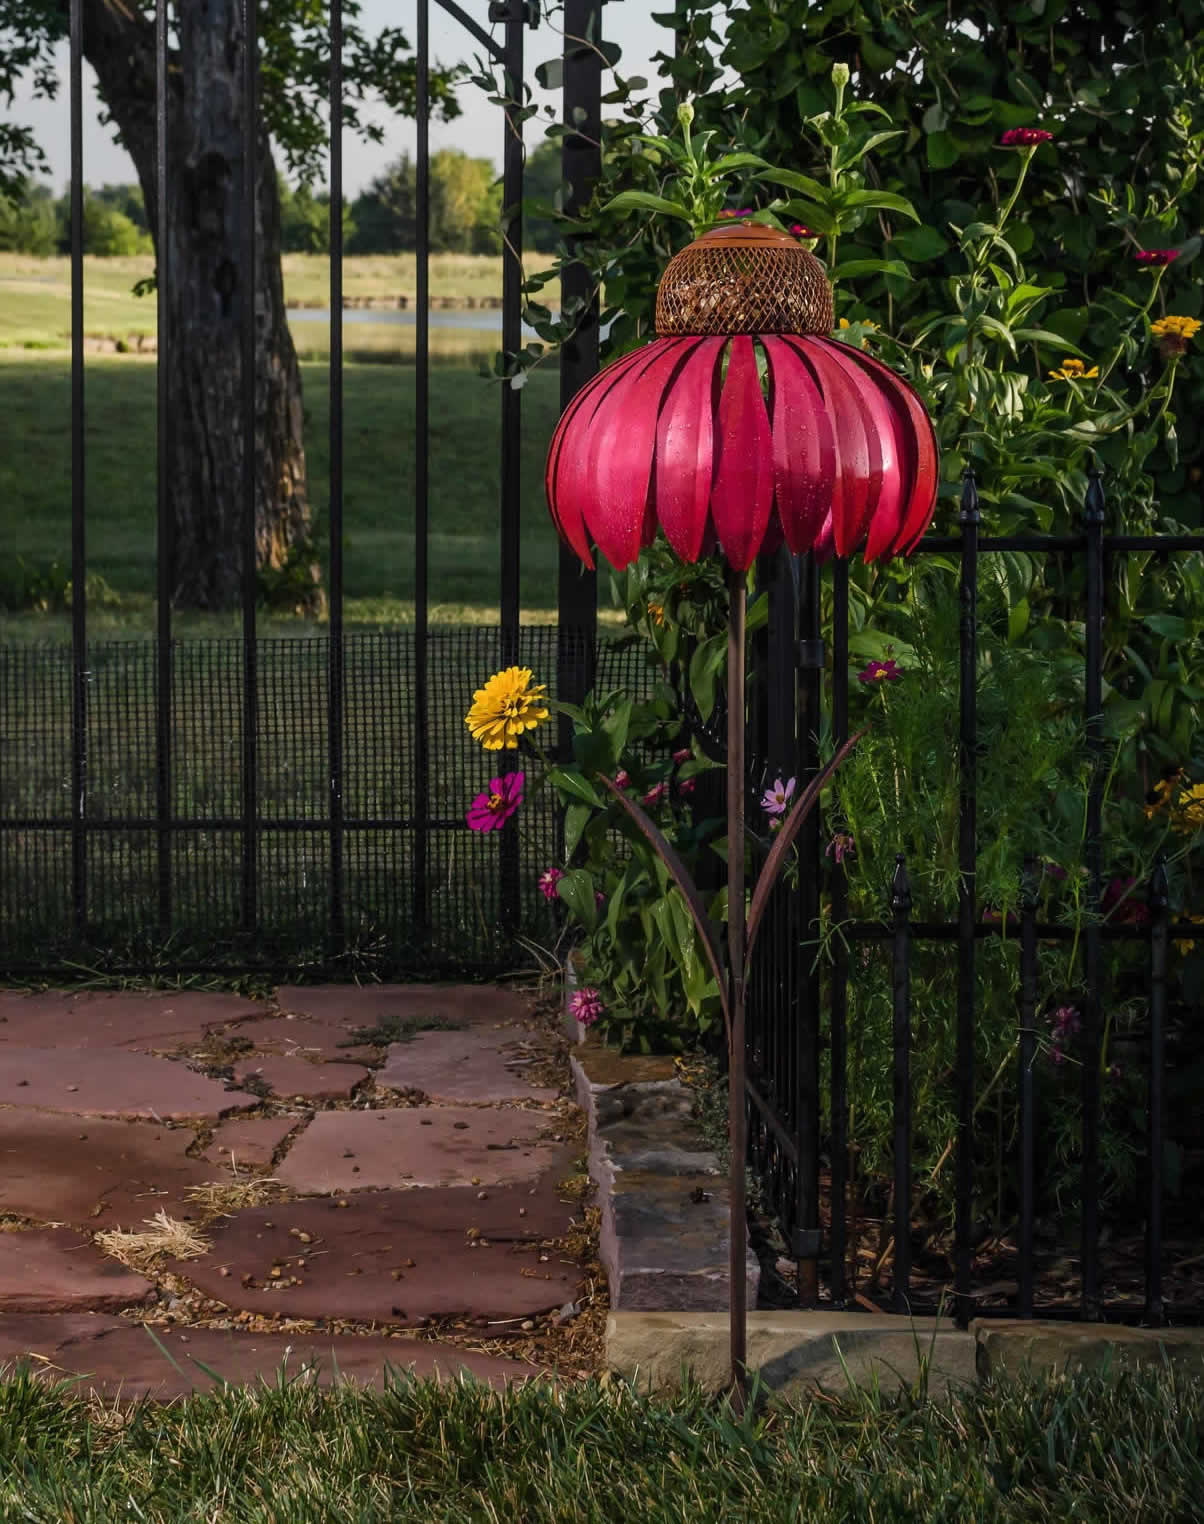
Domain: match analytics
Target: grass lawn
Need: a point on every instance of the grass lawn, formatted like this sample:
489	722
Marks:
35	489
1087	1449
35	293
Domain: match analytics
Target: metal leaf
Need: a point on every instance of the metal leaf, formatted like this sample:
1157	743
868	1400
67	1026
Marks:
680	875
785	839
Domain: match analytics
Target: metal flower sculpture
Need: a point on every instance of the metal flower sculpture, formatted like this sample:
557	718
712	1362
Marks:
742	425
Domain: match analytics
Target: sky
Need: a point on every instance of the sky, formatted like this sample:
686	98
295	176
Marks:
478	130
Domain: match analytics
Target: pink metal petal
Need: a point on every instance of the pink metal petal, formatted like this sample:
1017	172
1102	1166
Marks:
923	454
742	492
887	505
569	486
685	449
622	437
858	452
804	446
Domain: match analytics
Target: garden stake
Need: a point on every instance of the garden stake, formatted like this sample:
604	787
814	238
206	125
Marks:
742	425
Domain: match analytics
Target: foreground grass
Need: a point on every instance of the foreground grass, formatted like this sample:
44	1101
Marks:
35	293
1083	1449
35	488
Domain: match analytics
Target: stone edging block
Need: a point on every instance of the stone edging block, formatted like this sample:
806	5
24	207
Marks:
796	1353
1042	1347
664	1240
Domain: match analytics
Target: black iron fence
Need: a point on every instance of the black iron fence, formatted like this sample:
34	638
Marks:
798	1006
260	802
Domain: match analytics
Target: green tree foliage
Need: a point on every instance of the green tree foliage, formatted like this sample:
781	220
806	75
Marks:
305	221
27	219
465	207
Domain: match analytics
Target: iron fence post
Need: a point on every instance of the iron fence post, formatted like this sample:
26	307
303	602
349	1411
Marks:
165	537
901	999
1159	898
79	629
419	895
250	676
807	700
1028	1055
967	852
840	958
335	670
1094	526
581	167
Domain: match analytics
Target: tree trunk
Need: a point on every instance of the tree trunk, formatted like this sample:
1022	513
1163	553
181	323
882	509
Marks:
207	300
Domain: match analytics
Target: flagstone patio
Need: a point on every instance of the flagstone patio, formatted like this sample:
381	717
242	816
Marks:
354	1174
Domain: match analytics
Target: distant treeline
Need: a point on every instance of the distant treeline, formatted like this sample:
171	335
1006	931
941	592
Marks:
465	212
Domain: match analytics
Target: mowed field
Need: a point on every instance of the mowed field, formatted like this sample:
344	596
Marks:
35	293
379	407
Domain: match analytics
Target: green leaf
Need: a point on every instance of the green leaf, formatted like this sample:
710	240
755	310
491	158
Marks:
807	212
851	267
731	161
1000	330
644	201
787	177
942	150
705	666
1046	336
920	243
573	784
876	200
576	889
576	818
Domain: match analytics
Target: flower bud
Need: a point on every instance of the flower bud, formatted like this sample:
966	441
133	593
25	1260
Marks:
685	113
840	75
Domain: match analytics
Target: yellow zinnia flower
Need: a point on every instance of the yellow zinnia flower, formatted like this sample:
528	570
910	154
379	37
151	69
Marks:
508	704
1073	370
1189	810
1174	334
1190	946
656	612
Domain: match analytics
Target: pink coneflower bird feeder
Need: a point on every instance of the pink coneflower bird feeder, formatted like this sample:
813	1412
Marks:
743	425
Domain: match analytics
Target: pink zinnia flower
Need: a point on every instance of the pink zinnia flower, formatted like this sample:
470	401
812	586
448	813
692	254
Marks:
1066	1022
800	231
683	755
1025	137
586	1006
548	880
888	671
599	898
491	810
1157	256
839	847
778	797
686	786
656	793
745	211
622	778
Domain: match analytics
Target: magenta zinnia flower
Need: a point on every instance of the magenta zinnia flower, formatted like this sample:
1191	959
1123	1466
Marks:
656	793
745	211
887	671
839	847
548	880
1025	137
491	810
800	231
586	1006
686	786
777	797
682	756
622	778
1157	256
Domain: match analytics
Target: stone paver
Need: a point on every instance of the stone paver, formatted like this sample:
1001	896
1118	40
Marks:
477	1064
397	1256
416	1146
298	1035
1010	1347
56	1270
248	1142
163	1019
291	1078
96	1174
109	1082
118	1358
364	1005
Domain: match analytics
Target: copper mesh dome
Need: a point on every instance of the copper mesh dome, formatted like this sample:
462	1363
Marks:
744	278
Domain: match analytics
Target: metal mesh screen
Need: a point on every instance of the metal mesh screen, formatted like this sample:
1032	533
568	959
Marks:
744	279
468	922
